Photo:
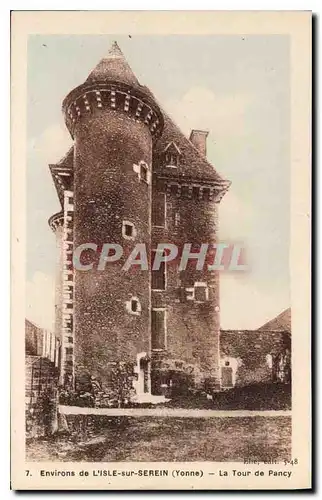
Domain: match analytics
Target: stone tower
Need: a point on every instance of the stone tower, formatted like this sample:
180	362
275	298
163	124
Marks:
133	177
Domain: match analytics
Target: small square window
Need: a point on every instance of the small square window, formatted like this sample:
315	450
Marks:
226	363
198	293
201	292
128	230
190	293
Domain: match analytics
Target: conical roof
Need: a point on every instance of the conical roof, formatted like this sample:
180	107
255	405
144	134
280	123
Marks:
113	67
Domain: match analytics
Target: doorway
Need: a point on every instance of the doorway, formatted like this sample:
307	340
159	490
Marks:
143	383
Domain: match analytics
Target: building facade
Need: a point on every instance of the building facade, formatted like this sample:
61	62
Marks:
249	357
133	177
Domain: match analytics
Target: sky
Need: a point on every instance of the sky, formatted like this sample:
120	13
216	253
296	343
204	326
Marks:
235	87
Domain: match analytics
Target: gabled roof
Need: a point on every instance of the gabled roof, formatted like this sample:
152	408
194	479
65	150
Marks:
193	164
172	147
113	67
67	160
62	174
282	322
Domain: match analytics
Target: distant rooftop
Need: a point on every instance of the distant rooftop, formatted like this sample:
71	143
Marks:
282	322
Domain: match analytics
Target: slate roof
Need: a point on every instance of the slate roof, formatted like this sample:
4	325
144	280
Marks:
193	165
113	67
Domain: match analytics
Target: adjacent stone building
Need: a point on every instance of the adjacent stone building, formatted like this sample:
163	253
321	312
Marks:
42	366
250	357
133	177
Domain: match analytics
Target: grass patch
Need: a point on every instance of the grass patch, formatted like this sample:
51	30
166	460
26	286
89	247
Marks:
172	439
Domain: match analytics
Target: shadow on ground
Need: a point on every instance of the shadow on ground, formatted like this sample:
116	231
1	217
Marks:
254	397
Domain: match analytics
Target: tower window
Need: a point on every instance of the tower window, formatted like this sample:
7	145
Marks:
133	306
206	193
144	173
159	209
158	328
195	191
199	292
158	276
128	230
142	170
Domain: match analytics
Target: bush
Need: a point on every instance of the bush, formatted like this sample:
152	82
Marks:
90	393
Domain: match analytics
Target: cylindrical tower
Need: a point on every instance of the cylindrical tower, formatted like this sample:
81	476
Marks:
113	122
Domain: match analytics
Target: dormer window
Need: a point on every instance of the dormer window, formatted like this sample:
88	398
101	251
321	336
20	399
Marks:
171	155
171	160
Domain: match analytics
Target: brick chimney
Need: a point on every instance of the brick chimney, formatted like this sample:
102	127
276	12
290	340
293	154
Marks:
199	140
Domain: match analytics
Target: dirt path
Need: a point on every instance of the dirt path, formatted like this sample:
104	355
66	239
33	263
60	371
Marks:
171	412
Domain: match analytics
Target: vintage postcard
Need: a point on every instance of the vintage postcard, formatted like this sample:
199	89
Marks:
161	250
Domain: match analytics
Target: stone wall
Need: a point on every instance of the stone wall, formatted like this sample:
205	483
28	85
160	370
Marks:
41	380
192	322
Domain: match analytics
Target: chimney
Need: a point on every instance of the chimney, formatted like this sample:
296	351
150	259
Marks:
199	140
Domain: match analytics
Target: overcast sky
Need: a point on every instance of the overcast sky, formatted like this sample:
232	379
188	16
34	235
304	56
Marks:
235	87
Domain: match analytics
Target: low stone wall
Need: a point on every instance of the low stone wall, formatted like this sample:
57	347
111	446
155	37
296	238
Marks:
41	380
